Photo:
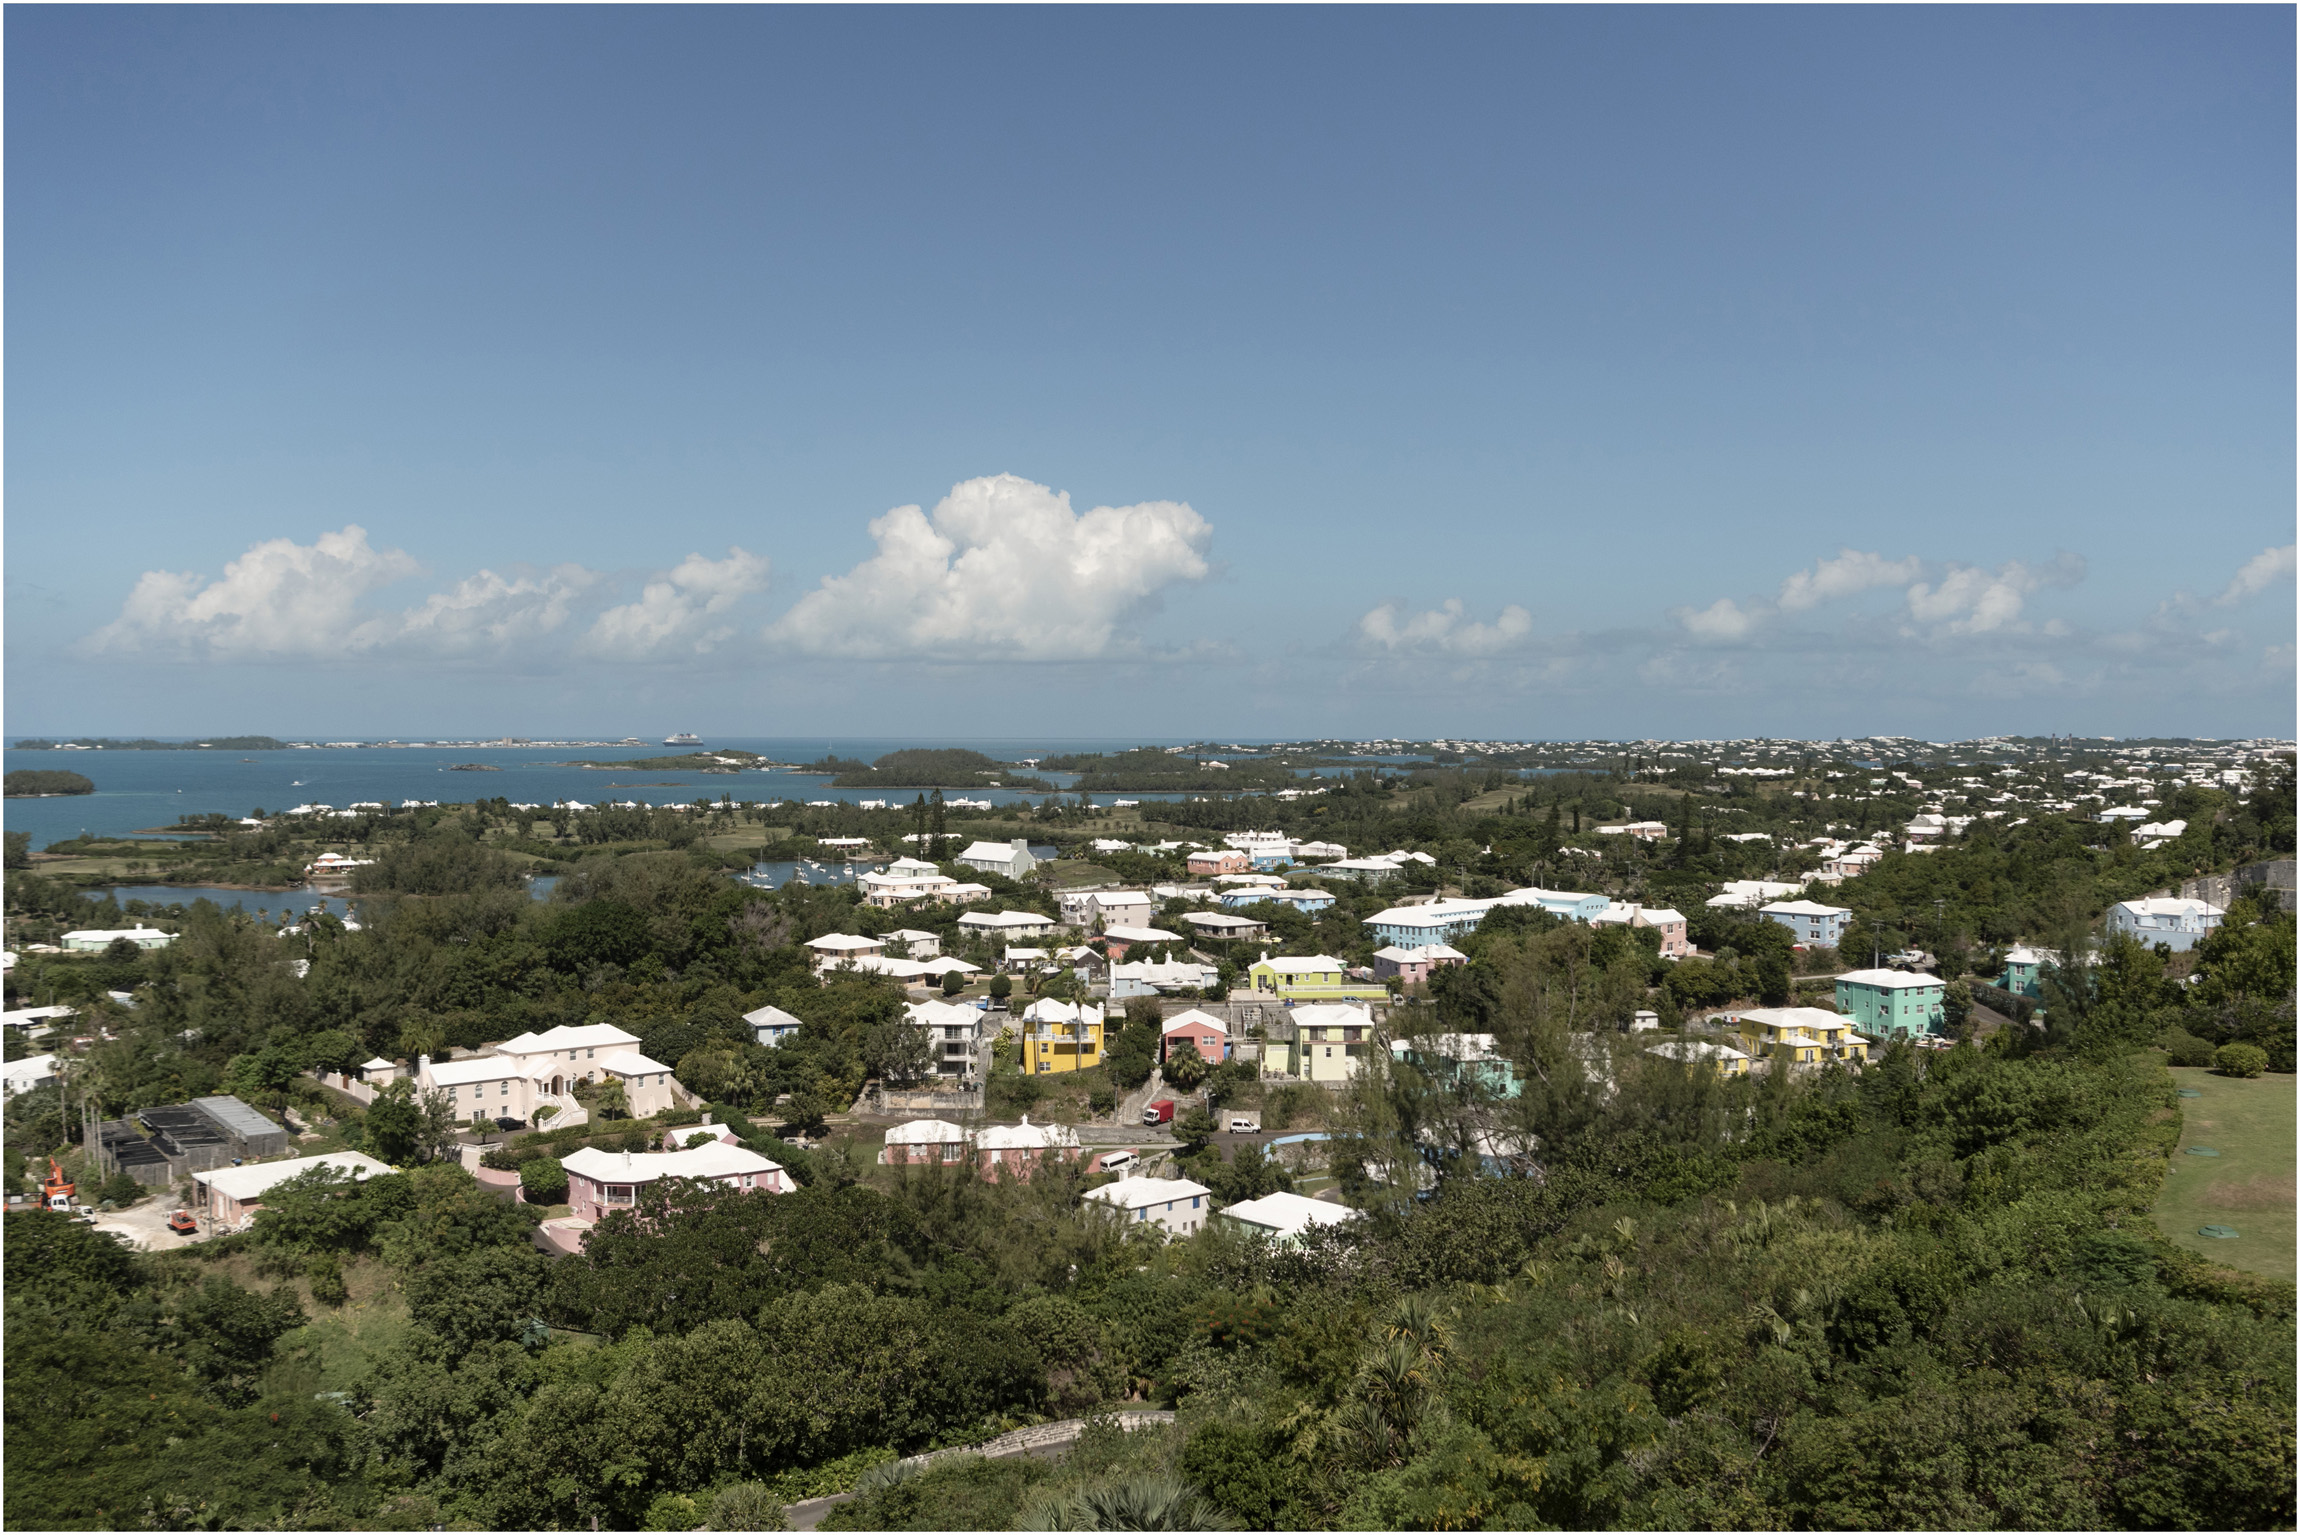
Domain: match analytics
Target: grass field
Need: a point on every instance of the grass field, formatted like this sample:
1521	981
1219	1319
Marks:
2248	1186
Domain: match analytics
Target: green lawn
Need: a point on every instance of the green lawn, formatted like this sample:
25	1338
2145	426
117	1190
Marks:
2248	1186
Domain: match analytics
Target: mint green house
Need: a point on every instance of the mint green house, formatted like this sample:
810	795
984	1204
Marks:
1886	1004
2022	967
1460	1058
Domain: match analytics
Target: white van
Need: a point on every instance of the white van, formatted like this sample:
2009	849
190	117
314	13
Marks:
1245	1124
1118	1161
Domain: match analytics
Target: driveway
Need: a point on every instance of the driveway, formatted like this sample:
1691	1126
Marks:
145	1225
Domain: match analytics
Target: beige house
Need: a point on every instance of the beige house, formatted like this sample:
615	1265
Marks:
233	1194
535	1071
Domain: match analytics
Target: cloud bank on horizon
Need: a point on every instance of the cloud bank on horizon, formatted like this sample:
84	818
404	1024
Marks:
1004	570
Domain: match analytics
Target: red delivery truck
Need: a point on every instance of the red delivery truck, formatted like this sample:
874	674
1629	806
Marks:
1159	1113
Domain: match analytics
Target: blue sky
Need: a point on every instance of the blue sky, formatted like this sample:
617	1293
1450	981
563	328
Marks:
1279	372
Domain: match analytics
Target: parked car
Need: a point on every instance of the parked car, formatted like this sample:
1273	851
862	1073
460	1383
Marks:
1245	1124
1159	1113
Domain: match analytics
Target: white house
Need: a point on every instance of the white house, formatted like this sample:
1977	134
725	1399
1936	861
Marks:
1284	1217
1007	924
952	1032
1012	859
770	1026
1144	977
1176	1204
24	1075
94	940
2173	921
1753	892
1121	908
835	949
888	891
914	943
929	1142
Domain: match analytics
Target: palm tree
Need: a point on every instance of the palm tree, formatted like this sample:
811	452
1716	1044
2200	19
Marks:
1151	1501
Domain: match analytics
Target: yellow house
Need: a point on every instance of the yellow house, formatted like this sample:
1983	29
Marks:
1728	1061
1061	1036
1310	978
1803	1036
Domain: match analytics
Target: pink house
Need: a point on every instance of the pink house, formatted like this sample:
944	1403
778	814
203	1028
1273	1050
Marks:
1222	861
599	1182
1014	1151
1670	925
1208	1033
926	1142
1413	966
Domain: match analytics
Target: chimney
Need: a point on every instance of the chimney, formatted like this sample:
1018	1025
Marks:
422	1063
706	1116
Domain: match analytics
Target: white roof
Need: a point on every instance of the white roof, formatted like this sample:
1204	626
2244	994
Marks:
717	1159
575	1036
25	1017
1055	1010
630	1063
1330	1014
1196	1018
1024	1137
942	1014
1141	935
1288	1215
998	850
2028	956
1005	919
481	1068
1314	964
1890	979
117	932
1658	915
2170	906
1696	1049
379	1064
1806	909
1121	898
844	943
913	935
1219	919
909	865
1796	1018
31	1068
252	1181
771	1017
1138	1193
925	1132
1420	953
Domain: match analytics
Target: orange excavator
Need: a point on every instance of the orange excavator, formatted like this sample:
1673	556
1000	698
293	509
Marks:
56	1190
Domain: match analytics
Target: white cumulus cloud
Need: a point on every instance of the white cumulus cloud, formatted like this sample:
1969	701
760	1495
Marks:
1849	572
680	609
489	612
1723	619
285	601
1972	599
281	598
1002	569
2260	572
1445	629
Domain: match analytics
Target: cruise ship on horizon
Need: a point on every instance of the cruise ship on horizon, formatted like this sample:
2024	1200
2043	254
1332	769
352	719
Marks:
684	738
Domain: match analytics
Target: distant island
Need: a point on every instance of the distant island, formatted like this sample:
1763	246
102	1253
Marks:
146	744
926	768
1152	768
38	783
729	761
473	767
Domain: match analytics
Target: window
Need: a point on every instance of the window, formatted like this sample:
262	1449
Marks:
618	1193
